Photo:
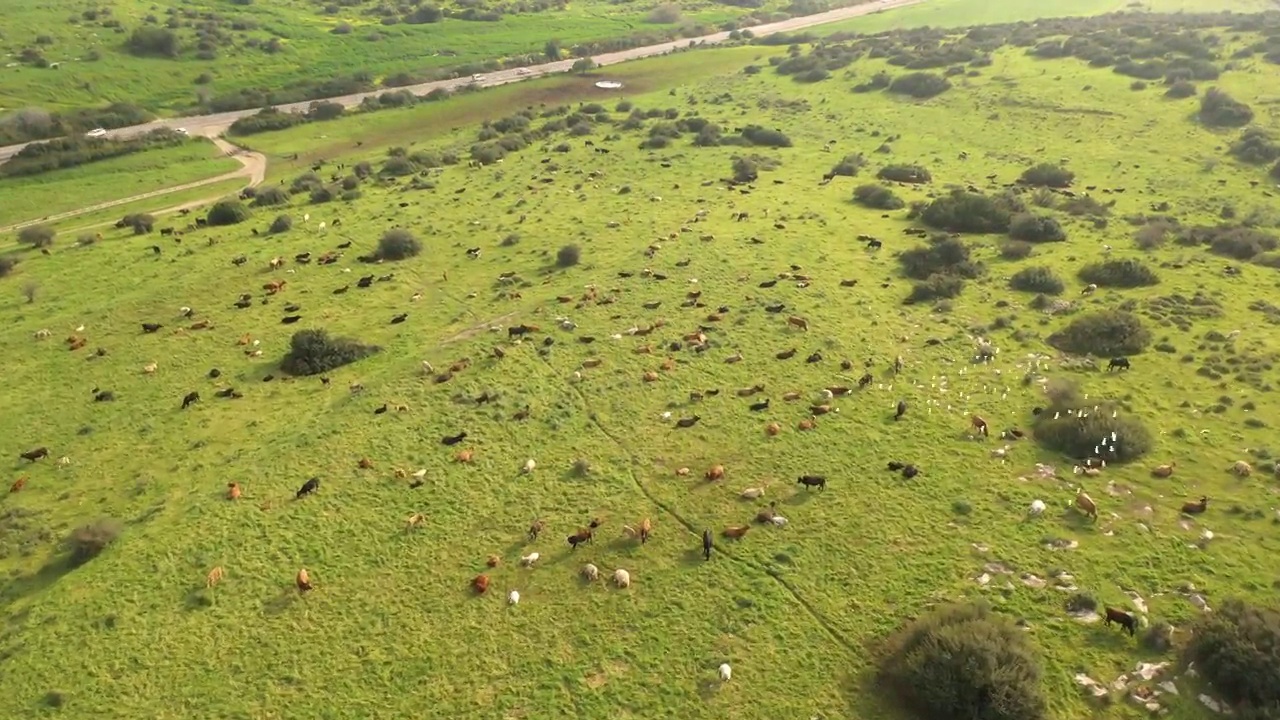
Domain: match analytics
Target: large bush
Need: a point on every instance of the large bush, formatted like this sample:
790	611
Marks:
227	212
756	135
1104	334
966	212
1127	273
153	41
39	236
1063	428
1237	650
1036	228
568	256
141	223
1047	175
88	541
1255	147
963	662
1037	280
939	286
312	352
271	195
943	255
849	165
1180	89
1218	109
7	264
282	223
904	174
919	85
878	197
398	244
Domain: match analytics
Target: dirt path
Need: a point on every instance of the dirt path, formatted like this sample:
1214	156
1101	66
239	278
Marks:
252	166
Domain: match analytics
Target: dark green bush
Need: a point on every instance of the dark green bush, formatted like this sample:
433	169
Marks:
321	194
7	264
904	174
879	81
312	352
1275	172
141	223
1127	273
1015	249
937	287
1036	228
325	110
398	244
878	197
271	195
153	41
1037	280
568	256
849	165
1255	147
1152	235
37	236
227	212
1103	334
745	170
1047	175
1076	434
268	119
88	541
963	662
920	85
1180	89
943	255
1236	648
966	212
764	137
1218	109
282	223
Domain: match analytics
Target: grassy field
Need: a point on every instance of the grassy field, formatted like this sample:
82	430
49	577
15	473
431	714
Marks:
28	198
392	627
96	220
309	49
961	13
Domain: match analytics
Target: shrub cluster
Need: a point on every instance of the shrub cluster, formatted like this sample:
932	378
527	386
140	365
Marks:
37	236
271	195
1237	650
1103	334
1218	109
312	352
35	124
397	244
77	150
88	541
1036	228
227	212
942	254
1037	280
877	197
1015	249
1076	434
879	81
1256	147
967	212
920	85
282	223
849	165
963	662
904	174
267	119
7	264
568	256
1047	175
1127	273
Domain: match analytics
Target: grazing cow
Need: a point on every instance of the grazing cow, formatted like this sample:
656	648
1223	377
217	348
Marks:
454	439
715	473
582	536
1124	619
977	423
480	584
190	398
399	318
621	578
233	491
1164	471
303	580
706	544
18	484
865	380
290	319
798	322
365	281
735	532
214	577
537	527
308	487
274	286
151	327
1121	363
757	407
1196	508
874	244
812	481
1242	468
688	422
1086	505
902	409
786	354
34	455
103	396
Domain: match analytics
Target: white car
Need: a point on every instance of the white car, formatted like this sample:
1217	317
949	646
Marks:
477	77
181	131
96	133
522	71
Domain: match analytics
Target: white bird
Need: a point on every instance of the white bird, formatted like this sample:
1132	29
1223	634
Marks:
529	465
80	329
184	311
1037	507
321	226
726	672
420	474
416	297
530	559
513	597
666	416
306	217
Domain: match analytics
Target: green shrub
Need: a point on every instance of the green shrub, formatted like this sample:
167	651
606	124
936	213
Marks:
764	137
879	81
88	541
1256	147
937	287
227	212
943	255
904	174
920	85
398	244
37	236
1076	434
963	662
1218	109
7	264
1036	228
1275	172
1152	235
1037	280
1127	273
1015	250
568	256
966	212
878	197
849	165
1047	175
1103	334
153	41
745	170
141	223
1236	648
1181	89
312	352
321	194
271	195
282	223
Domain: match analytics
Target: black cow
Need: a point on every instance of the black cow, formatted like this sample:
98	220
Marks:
902	409
290	319
874	244
1126	621
454	439
308	487
1121	363
812	481
151	327
706	544
34	455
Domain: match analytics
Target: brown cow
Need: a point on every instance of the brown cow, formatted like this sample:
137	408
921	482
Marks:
799	322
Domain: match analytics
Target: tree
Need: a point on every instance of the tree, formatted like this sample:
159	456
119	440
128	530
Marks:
312	352
37	236
553	50
583	65
227	212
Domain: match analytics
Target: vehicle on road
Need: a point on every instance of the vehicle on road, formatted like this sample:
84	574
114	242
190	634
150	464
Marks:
96	133
522	71
477	77
181	131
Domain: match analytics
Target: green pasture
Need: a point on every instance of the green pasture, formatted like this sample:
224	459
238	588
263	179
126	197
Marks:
36	196
392	627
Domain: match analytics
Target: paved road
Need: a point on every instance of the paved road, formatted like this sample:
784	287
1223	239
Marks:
254	167
216	124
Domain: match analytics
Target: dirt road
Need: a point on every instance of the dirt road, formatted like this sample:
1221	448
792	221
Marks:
213	125
253	166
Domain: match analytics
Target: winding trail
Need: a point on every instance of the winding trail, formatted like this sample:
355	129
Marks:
252	166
